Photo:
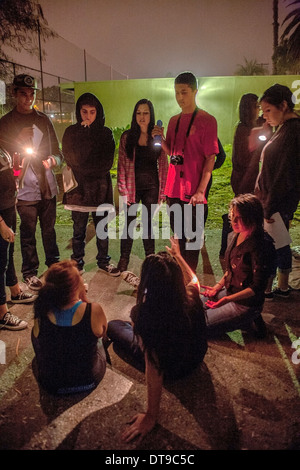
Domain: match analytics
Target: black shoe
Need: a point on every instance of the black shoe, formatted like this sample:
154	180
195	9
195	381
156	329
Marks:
122	264
281	293
110	269
269	296
33	282
23	298
259	327
12	322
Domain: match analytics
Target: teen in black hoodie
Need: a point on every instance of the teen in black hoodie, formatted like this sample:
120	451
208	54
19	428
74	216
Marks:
88	147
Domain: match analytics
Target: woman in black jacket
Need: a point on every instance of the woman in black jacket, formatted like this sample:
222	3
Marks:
88	147
278	183
237	299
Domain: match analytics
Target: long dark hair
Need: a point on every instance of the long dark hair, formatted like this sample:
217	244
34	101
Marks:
133	134
247	109
61	282
161	319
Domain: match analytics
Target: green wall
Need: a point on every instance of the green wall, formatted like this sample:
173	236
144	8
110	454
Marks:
217	95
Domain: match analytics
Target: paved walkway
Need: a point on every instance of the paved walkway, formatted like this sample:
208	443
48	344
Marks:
245	396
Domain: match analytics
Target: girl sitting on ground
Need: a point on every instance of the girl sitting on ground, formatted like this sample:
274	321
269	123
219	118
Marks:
67	333
167	333
237	299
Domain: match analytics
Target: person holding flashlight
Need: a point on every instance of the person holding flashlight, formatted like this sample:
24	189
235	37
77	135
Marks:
142	174
30	133
278	183
249	140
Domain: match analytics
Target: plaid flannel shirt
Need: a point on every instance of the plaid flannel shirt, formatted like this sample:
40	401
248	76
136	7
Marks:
126	173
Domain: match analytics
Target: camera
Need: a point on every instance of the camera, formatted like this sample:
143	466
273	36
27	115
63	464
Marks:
176	160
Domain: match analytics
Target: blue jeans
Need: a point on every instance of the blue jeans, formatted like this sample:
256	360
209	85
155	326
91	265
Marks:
229	317
125	342
80	221
8	275
283	259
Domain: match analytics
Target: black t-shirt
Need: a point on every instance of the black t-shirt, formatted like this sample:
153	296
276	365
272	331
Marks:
146	173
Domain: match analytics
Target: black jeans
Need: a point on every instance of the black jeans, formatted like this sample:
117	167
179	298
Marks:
80	221
189	224
148	198
8	275
45	211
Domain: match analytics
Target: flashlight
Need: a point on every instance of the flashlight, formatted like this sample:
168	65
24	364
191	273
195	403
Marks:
157	138
262	138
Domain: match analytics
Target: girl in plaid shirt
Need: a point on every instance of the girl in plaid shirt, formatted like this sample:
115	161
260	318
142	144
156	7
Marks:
142	174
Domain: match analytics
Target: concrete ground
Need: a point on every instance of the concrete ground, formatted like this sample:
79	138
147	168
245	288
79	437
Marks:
245	396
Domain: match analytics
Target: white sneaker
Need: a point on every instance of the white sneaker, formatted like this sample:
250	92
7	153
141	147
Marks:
131	278
110	269
33	283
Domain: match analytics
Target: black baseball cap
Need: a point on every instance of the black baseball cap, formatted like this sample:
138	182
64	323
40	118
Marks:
26	81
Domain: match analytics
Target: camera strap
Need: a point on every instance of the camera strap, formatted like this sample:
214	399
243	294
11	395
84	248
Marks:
188	130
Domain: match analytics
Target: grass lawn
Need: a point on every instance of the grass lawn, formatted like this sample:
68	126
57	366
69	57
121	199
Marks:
219	198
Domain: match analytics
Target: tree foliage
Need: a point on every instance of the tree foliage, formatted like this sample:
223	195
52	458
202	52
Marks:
284	60
21	21
292	31
251	67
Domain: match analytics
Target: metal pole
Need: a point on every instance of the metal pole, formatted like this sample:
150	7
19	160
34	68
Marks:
85	74
60	105
41	65
275	32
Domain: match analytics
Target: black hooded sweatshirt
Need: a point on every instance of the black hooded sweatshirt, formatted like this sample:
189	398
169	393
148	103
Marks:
89	151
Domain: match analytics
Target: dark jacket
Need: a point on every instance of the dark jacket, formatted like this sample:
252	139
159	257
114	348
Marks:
249	265
279	180
245	164
7	182
89	151
36	182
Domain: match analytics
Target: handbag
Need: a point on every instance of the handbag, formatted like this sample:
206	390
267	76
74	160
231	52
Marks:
69	180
